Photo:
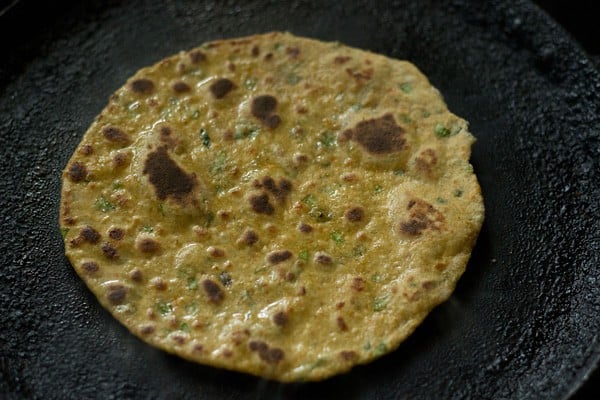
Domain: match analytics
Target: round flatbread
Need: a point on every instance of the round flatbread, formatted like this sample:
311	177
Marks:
273	204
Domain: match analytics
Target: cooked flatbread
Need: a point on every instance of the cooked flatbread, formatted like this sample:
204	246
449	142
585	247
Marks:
273	204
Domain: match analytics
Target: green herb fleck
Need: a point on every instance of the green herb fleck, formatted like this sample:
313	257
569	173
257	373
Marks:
260	269
380	303
320	214
406	87
327	139
162	209
250	83
303	255
205	138
378	189
147	229
64	231
398	172
192	283
380	349
337	237
310	200
218	165
117	185
377	278
184	327
441	200
104	205
426	113
458	192
359	250
319	363
164	308
367	346
191	309
441	130
405	118
277	46
293	79
356	107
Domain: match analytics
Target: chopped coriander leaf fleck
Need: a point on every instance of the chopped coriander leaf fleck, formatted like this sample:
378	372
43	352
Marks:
405	118
63	232
184	327
380	349
367	346
406	87
319	363
337	237
104	205
205	138
458	192
376	278
117	185
426	113
195	114
378	189
320	214
380	303
441	130
250	83
192	283
310	200
398	172
147	229
164	308
359	250
441	200
303	255
327	139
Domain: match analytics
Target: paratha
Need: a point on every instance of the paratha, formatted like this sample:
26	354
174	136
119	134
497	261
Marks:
274	205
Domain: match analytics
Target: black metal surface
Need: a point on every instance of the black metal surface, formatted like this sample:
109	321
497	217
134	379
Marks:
525	319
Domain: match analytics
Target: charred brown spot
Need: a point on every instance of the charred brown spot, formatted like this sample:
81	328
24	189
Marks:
276	257
181	87
158	283
281	318
280	189
358	284
249	237
165	132
341	324
263	108
304	228
268	57
115	135
341	59
272	121
354	214
267	354
213	291
360	76
255	51
168	178
109	251
120	160
426	161
142	86
147	329
196	56
221	87
428	285
148	246
136	275
90	235
116	233
116	293
422	216
86	149
215	252
90	267
293	51
348	355
323	258
261	205
379	135
340	305
77	172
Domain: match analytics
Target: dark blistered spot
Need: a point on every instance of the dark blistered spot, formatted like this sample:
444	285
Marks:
120	160
421	216
221	87
354	214
269	184
341	59
249	237
181	87
109	251
293	51
323	258
90	235
116	293
196	56
255	51
340	305
215	252
428	285
341	324
261	205
168	178
348	355
147	329
225	278
379	135
280	318
358	284
136	275
165	132
77	172
267	354
115	135
304	228
213	291
263	106
426	161
272	121
147	245
268	56
280	190
86	149
90	267
142	86
276	257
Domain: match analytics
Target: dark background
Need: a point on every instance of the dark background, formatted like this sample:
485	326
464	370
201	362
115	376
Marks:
578	17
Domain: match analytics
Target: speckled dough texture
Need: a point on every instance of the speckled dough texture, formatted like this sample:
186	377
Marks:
273	205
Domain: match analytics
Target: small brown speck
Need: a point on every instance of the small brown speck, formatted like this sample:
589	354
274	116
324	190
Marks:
354	214
358	284
115	135
181	87
147	329
280	318
268	57
293	51
77	172
120	160
158	283
340	305
276	257
348	355
341	59
221	87
302	291
215	252
87	149
255	51
224	214
350	177
300	159
304	228
148	246
213	291
135	275
116	233
323	258
196	56
261	205
116	293
142	86
341	324
178	338
90	235
109	251
249	237
272	121
90	267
